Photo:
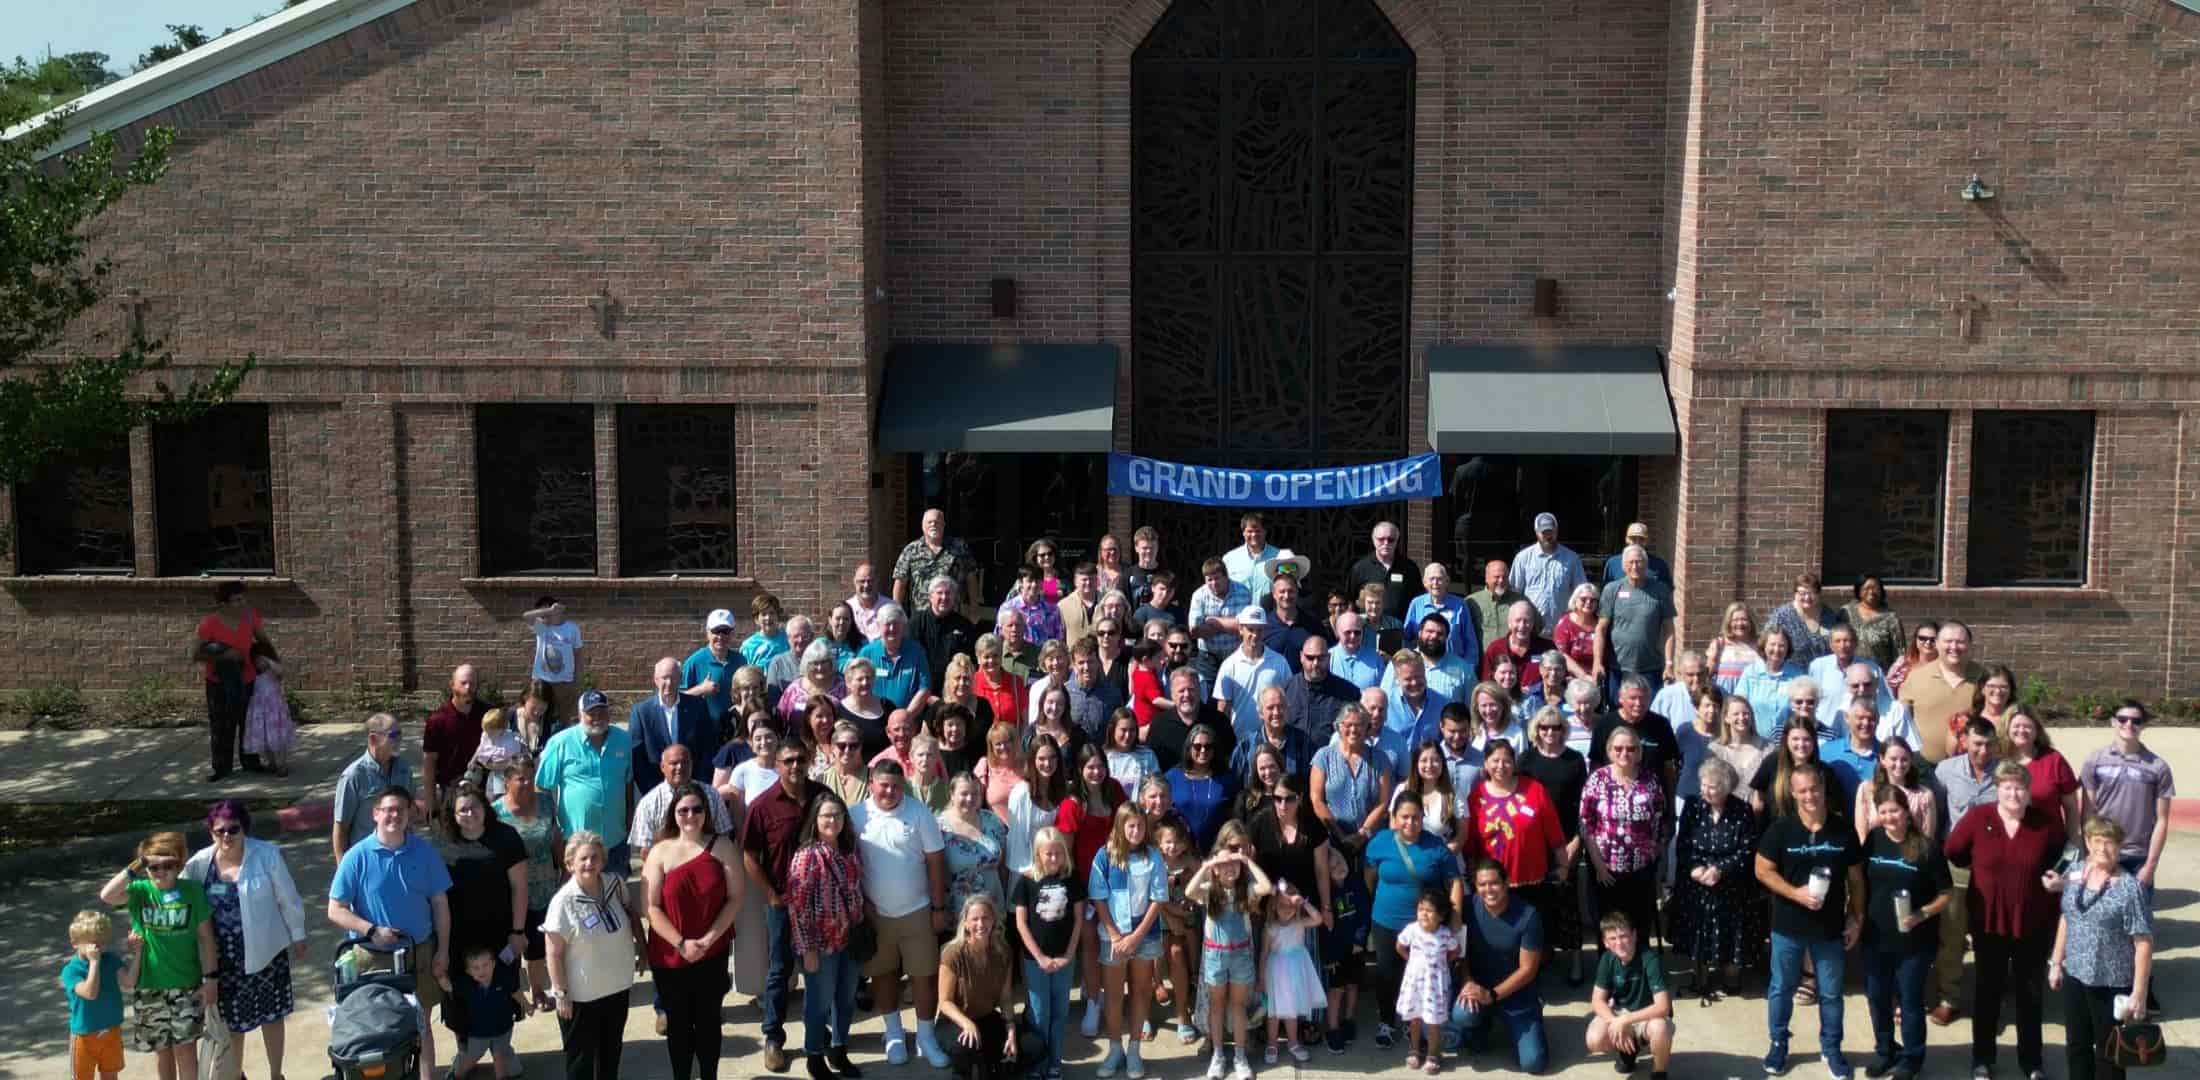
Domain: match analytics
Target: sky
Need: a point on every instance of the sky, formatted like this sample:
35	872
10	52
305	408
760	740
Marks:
120	28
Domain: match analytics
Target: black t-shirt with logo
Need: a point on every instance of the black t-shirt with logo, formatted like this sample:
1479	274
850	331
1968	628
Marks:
1052	909
1797	850
1886	870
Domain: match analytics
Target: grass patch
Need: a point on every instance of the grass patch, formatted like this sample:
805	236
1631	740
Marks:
33	826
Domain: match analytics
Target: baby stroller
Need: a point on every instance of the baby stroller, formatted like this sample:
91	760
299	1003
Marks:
374	1027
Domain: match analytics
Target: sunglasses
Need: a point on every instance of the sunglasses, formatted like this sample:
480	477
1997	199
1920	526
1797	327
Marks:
1550	727
2134	721
848	746
721	630
1623	750
1107	633
794	759
161	866
689	810
392	734
1200	747
227	830
1282	799
1925	639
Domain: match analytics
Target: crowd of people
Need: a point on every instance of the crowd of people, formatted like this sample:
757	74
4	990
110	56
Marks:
1202	805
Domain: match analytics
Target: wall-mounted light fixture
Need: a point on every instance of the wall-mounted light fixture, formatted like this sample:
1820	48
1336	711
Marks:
1975	191
1546	298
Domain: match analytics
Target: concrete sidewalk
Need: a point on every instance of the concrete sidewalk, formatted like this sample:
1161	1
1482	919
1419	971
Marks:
166	763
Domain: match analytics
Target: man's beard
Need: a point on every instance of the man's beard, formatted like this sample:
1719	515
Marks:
1433	652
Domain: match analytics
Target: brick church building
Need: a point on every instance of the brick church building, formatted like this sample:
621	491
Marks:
655	305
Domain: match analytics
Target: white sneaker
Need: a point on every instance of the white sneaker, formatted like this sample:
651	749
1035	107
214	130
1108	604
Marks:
897	1051
1244	1070
1299	1054
1091	1027
928	1044
1215	1067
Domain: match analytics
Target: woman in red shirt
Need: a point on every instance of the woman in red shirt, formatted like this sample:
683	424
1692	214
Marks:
1000	688
222	645
2012	848
2054	785
1576	632
1086	816
1511	819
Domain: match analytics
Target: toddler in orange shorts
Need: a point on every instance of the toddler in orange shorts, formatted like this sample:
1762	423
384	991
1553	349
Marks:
94	979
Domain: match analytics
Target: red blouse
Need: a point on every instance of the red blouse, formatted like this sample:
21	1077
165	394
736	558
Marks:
824	897
238	637
1088	833
2051	780
2006	897
1006	695
1518	830
692	894
1575	642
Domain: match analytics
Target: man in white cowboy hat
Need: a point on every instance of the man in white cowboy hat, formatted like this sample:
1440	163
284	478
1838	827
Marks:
1248	565
1254	667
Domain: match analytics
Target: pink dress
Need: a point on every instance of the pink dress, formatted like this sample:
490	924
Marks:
1425	992
267	725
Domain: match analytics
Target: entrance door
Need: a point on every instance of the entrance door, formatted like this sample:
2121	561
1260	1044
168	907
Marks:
1491	500
1272	180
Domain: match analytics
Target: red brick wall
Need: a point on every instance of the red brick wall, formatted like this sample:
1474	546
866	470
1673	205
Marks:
410	219
1819	248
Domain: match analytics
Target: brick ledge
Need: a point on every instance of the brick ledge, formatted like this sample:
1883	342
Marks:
606	584
39	582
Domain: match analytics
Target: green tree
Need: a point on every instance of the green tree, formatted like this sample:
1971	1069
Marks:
27	89
90	69
182	39
52	399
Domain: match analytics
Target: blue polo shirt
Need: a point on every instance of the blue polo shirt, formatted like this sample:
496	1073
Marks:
899	679
1849	767
392	886
1404	729
1363	669
1494	943
591	784
701	667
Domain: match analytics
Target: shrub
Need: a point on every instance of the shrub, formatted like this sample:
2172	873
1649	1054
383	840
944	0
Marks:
59	701
147	703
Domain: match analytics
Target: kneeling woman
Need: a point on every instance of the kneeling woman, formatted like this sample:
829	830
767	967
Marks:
974	978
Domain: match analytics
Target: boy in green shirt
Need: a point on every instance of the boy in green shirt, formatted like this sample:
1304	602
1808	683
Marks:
1631	1004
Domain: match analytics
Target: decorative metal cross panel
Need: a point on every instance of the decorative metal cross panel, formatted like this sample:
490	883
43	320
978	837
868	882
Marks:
1272	181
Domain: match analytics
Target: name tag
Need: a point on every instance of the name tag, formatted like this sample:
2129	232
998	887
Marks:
172	896
591	922
1624	594
1397	577
218	888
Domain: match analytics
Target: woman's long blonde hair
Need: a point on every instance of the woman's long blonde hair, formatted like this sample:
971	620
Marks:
993	950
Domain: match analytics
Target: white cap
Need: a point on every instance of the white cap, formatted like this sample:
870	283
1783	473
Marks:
1252	616
718	618
1546	522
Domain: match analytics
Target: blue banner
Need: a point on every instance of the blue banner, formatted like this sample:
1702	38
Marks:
1416	477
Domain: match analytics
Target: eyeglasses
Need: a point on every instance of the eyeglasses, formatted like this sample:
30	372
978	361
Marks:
1107	631
390	733
2134	721
687	810
227	830
159	866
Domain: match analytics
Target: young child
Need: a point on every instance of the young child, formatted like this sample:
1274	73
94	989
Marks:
1294	987
555	673
1177	917
95	979
500	746
1046	898
1227	886
491	1009
1424	995
268	728
1344	957
1630	1003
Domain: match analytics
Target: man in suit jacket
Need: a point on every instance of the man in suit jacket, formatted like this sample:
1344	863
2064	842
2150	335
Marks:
663	719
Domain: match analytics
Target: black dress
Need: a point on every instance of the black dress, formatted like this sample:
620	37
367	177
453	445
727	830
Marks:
1562	778
1725	923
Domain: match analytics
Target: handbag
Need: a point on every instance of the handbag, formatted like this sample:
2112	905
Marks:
2133	1045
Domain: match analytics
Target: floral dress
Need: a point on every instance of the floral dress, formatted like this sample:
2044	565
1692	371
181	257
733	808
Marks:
544	875
1425	992
974	865
1879	637
248	1001
1723	923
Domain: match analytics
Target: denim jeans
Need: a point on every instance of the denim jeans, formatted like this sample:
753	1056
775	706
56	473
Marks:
828	993
779	935
1894	977
1523	1019
1046	1001
1787	971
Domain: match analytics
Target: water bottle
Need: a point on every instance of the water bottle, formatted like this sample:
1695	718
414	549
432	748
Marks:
1821	882
1902	908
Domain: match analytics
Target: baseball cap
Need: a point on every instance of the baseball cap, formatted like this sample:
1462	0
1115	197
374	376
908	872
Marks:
1546	522
1252	616
1637	529
593	699
718	618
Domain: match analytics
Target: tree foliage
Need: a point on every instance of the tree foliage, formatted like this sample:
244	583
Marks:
182	39
50	277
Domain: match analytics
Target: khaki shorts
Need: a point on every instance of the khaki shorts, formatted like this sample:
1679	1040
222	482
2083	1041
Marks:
1640	1029
906	944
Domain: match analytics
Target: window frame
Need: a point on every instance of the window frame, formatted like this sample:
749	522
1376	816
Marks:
1972	577
1829	517
165	553
57	467
487	488
627	515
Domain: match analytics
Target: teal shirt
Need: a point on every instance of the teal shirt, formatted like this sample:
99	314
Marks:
102	1012
591	786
